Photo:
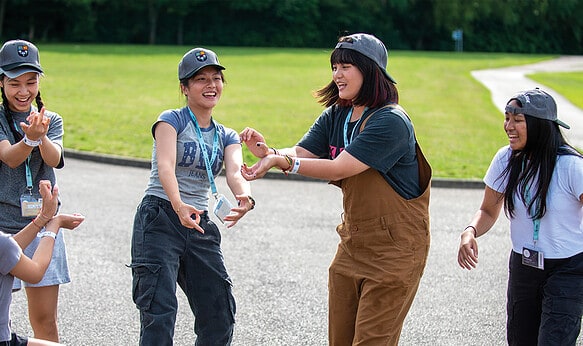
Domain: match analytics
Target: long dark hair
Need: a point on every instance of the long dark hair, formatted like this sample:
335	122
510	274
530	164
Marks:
8	112
534	166
376	90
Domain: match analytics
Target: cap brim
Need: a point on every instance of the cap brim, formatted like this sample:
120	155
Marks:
389	76
562	124
191	73
17	72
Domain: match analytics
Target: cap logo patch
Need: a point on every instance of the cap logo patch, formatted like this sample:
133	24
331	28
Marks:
22	50
201	56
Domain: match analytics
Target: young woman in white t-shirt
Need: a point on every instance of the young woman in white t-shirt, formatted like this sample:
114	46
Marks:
538	178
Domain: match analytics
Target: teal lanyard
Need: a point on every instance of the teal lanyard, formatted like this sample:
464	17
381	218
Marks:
535	222
28	175
27	168
345	133
215	149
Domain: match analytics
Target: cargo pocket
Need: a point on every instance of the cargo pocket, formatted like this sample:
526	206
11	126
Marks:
145	279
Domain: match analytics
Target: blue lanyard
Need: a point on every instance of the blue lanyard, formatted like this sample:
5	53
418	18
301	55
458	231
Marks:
345	133
208	163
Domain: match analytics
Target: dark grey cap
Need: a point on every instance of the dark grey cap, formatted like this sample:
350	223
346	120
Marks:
369	46
538	104
194	60
18	57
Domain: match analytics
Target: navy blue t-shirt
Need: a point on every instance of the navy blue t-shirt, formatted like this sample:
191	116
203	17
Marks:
387	144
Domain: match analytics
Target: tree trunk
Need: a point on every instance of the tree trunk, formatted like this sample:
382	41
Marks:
153	18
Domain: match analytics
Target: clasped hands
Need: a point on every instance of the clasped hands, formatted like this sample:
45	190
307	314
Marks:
38	125
256	144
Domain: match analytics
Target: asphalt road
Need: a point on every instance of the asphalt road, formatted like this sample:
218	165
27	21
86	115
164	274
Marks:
278	258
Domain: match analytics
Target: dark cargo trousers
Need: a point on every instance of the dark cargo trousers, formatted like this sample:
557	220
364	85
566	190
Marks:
165	253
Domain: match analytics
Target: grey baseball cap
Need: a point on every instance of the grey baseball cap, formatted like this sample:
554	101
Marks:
194	60
18	57
369	46
536	103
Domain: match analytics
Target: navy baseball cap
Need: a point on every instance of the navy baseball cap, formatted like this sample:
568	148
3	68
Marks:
194	60
18	57
538	104
369	46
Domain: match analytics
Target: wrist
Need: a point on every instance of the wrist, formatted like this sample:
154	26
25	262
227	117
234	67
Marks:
47	234
30	142
472	229
177	206
296	166
251	202
288	161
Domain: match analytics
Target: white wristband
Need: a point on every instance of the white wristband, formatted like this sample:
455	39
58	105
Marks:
30	142
47	234
296	166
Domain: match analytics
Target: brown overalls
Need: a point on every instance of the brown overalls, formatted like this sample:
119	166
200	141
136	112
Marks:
380	259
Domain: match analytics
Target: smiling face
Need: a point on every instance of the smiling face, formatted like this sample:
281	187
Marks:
348	79
204	89
21	91
515	127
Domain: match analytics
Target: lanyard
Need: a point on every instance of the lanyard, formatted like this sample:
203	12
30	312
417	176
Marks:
26	166
535	222
28	175
345	133
215	149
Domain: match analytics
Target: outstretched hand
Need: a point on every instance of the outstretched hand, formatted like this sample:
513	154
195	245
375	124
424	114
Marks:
67	221
244	205
260	168
255	142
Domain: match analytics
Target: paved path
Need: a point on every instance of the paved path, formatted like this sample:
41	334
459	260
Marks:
505	82
278	258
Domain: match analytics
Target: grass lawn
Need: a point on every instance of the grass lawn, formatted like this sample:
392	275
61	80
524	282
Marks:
109	96
568	84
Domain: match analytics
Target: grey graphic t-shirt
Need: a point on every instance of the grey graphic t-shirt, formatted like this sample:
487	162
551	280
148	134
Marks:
191	173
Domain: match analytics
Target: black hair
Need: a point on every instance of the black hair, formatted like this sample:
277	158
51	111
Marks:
534	165
8	112
376	91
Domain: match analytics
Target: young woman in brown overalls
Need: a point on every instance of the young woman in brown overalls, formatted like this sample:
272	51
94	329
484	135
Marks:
365	143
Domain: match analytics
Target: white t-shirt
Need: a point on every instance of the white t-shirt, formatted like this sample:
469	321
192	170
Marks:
561	228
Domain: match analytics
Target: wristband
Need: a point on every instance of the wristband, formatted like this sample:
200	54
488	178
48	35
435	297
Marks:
296	167
30	142
47	234
474	229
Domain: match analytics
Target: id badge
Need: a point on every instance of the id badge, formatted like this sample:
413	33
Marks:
533	258
222	207
30	205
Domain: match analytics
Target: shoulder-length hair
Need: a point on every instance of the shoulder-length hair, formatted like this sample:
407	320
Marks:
376	91
534	166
